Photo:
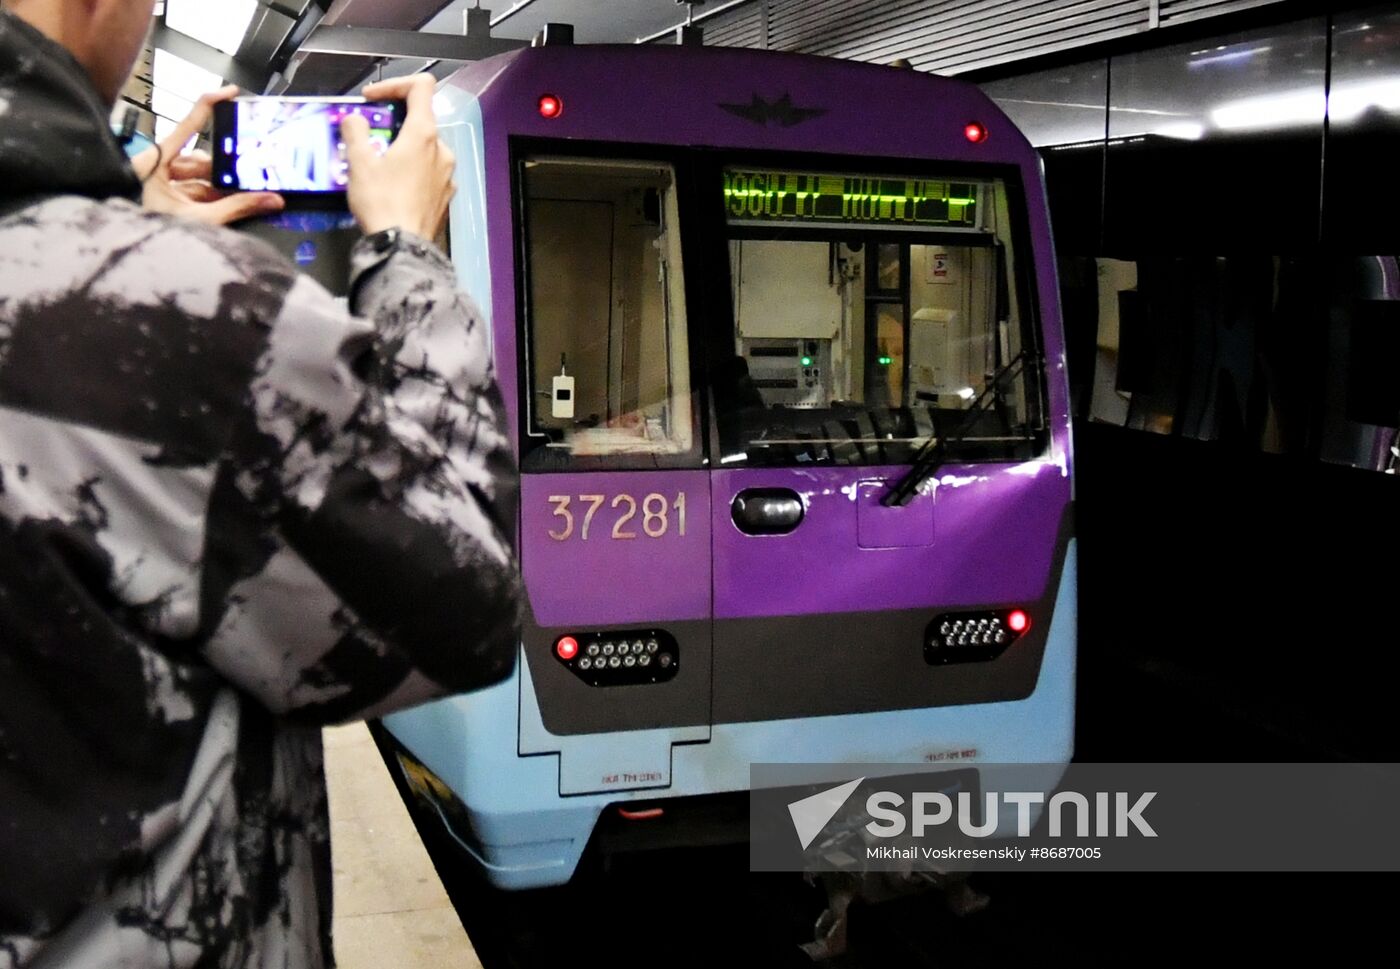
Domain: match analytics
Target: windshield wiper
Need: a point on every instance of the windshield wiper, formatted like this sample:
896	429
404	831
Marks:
934	452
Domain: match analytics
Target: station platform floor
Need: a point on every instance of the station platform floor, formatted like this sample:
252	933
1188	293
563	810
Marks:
390	906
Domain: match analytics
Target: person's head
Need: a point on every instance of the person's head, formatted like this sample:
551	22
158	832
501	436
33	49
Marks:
105	36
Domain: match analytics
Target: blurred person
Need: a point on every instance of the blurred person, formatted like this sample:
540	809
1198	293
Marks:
234	509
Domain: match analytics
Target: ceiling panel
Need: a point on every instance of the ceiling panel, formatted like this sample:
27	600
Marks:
595	22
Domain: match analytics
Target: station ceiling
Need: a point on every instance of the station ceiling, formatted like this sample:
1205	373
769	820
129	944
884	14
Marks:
299	46
333	46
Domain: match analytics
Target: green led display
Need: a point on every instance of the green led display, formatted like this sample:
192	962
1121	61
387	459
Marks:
752	195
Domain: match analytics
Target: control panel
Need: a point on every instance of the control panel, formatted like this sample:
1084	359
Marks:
790	372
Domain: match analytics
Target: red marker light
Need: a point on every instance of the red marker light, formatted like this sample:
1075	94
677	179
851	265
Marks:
643	814
567	648
974	132
550	106
1018	621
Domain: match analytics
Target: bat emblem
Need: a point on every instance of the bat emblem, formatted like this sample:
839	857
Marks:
782	111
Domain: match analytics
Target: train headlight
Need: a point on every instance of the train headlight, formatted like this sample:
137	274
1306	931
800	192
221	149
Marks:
637	657
969	637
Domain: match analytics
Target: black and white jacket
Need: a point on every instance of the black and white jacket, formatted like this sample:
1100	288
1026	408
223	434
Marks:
232	509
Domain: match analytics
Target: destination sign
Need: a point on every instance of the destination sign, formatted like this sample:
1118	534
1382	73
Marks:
797	198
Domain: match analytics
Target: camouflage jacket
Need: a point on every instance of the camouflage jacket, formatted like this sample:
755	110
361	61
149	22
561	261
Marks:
232	509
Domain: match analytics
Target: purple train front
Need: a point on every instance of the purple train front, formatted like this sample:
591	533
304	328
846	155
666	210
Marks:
737	299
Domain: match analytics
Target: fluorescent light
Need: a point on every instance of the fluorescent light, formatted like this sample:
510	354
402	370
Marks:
1093	107
170	105
1351	100
180	77
1077	144
1267	111
1234	55
218	23
164	126
1181	130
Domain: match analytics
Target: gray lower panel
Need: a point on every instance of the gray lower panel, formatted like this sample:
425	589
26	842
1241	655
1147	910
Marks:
785	667
782	667
568	705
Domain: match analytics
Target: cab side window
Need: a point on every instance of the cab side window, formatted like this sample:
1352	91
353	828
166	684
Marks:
608	352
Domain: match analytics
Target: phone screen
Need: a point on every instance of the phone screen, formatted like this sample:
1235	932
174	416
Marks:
293	144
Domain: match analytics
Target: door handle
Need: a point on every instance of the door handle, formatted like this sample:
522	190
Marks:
767	511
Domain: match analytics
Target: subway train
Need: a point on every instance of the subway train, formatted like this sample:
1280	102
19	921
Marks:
780	342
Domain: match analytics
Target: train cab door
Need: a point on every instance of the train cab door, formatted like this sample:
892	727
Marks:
615	525
863	317
800	611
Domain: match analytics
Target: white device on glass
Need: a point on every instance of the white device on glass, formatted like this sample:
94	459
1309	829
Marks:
563	397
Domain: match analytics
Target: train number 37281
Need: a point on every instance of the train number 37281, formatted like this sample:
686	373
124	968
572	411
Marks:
654	514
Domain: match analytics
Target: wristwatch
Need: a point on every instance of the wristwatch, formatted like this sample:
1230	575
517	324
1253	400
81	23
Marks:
384	240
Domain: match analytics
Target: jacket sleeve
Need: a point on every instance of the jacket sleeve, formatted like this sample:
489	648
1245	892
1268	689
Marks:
359	558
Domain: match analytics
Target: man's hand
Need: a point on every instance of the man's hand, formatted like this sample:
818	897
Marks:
410	186
180	185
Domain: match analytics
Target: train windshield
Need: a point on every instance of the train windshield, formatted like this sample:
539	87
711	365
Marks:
870	313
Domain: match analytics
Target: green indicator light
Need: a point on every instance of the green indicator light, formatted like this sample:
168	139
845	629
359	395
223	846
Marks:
806	361
886	361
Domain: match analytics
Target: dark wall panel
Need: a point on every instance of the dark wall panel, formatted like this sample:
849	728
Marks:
1362	202
1216	147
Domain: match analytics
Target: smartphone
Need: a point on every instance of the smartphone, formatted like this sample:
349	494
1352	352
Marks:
293	145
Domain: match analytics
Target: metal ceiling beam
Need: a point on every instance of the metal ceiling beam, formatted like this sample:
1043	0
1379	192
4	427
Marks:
699	18
266	34
292	9
515	9
378	42
211	59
